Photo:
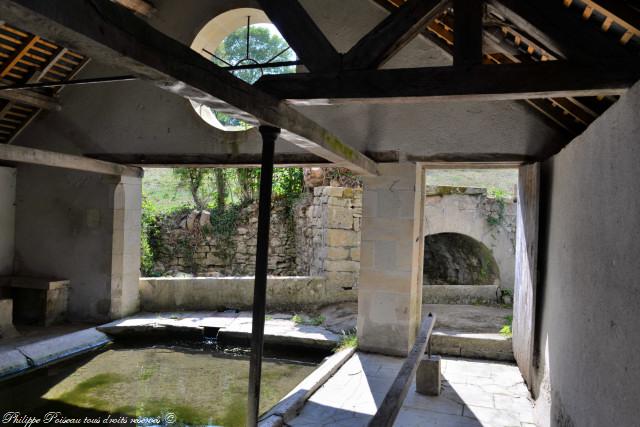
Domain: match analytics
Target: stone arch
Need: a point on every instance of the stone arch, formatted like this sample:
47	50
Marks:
457	259
466	214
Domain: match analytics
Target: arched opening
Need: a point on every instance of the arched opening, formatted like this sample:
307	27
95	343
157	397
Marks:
457	259
248	45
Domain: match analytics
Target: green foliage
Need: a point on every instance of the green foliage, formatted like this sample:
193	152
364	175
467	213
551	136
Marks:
348	340
193	179
496	217
287	182
224	221
506	328
149	238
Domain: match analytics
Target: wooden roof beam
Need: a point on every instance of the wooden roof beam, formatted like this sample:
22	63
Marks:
392	34
303	35
115	36
476	83
15	153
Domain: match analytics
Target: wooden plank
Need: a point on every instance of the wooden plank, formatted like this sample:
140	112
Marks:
560	29
390	406
9	64
477	83
524	300
15	153
467	33
303	35
392	34
116	36
34	99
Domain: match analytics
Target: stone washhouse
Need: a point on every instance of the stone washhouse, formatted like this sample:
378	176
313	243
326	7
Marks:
91	91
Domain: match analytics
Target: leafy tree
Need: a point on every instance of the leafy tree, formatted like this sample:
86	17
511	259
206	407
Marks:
193	179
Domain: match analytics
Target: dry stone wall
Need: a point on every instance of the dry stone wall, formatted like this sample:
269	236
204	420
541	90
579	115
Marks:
318	236
189	244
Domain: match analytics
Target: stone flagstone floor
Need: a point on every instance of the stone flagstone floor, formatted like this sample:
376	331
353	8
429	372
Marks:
475	393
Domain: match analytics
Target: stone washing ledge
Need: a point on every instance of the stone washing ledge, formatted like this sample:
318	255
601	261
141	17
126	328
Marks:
279	329
23	358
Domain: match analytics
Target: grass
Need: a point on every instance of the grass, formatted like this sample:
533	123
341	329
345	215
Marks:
349	340
496	181
161	186
506	328
305	320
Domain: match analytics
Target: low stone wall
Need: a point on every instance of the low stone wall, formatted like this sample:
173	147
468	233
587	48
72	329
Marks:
215	293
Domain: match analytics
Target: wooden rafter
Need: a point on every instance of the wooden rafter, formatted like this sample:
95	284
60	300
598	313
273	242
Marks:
613	11
504	41
115	35
392	34
555	26
303	35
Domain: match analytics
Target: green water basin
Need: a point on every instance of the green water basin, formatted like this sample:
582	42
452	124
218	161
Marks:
158	385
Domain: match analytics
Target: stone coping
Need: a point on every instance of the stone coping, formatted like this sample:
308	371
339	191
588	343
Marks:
290	405
460	294
22	358
279	328
229	278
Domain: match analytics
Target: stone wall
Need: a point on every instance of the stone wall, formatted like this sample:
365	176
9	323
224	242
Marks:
328	233
190	244
319	235
217	293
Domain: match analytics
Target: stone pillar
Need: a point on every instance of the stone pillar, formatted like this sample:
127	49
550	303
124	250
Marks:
125	255
390	289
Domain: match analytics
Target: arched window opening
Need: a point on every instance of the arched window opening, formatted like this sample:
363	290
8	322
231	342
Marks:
244	42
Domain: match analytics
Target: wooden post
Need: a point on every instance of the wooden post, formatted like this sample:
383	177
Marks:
467	32
269	135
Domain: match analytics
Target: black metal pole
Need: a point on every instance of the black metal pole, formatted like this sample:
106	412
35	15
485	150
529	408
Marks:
269	135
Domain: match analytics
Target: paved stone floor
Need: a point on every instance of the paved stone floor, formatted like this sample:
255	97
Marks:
475	393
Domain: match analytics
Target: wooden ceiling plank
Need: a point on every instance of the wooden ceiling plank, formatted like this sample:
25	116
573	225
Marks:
625	16
392	34
113	34
303	35
11	62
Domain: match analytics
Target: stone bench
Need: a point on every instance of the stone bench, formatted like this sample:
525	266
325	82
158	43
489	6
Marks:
41	301
6	319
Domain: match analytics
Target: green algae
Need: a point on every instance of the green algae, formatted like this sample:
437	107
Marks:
199	388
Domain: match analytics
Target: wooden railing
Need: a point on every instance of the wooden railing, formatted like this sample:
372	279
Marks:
390	406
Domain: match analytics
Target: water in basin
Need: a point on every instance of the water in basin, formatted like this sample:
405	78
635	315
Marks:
200	387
